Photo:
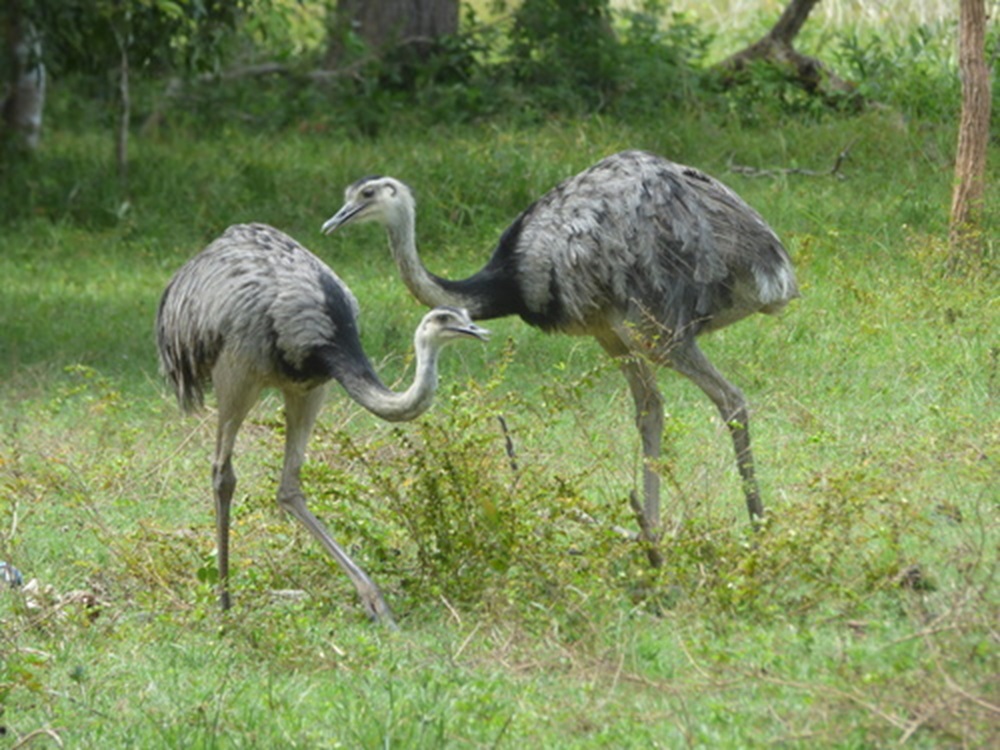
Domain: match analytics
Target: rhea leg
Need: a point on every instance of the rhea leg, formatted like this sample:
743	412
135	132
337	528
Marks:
301	410
649	419
235	399
691	362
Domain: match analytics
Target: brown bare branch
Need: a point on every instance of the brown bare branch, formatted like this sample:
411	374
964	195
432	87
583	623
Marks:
833	171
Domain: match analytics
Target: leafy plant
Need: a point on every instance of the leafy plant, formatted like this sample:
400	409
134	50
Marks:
915	74
474	522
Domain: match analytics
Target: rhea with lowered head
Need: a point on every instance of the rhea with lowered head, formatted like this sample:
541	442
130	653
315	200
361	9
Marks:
255	309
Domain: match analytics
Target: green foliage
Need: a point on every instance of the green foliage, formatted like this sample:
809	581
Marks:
915	74
849	543
862	615
547	57
662	58
461	517
567	44
83	36
765	91
910	74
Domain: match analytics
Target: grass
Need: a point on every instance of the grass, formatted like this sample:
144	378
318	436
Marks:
863	615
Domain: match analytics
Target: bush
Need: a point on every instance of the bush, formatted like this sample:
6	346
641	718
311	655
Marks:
916	76
457	514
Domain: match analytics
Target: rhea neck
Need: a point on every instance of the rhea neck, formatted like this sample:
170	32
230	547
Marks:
367	389
489	293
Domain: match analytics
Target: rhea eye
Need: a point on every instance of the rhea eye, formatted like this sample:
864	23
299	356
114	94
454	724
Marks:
368	192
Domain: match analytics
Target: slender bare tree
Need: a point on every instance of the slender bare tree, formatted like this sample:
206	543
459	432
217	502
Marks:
974	130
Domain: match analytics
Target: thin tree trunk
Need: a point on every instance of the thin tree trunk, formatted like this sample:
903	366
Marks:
974	130
25	102
124	115
792	20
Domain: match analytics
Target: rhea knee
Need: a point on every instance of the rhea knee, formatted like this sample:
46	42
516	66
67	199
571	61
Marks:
223	479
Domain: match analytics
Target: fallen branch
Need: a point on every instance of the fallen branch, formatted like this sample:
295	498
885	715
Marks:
52	734
833	171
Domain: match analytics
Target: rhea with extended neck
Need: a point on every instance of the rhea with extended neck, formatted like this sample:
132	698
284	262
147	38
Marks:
389	202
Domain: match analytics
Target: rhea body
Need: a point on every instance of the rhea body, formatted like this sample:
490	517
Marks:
255	309
637	251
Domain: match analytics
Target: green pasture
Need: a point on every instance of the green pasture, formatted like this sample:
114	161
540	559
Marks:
862	615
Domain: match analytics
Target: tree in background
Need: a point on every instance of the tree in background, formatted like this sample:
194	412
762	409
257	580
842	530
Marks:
565	42
387	25
22	93
109	39
974	130
776	48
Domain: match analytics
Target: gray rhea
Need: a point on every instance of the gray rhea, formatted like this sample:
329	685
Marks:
639	252
255	309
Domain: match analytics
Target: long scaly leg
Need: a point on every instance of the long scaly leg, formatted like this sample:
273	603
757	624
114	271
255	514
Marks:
301	410
649	420
236	396
690	361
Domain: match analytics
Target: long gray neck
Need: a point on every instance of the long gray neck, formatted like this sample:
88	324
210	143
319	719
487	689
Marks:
362	383
429	289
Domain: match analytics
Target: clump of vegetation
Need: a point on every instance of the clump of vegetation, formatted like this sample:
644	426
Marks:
449	509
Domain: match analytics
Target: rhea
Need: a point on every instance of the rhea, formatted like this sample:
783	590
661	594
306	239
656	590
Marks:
639	252
255	309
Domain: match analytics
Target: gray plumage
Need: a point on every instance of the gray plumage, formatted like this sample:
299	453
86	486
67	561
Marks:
255	309
637	251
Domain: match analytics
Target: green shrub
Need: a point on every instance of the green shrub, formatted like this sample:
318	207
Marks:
916	75
448	507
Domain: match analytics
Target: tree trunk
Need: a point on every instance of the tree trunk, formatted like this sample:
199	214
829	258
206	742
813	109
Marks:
387	24
792	20
974	130
25	96
776	47
124	115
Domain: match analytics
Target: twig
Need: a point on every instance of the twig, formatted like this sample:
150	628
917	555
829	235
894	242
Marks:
844	153
952	685
52	734
833	171
451	609
618	673
917	723
981	702
872	708
465	642
691	660
509	443
933	630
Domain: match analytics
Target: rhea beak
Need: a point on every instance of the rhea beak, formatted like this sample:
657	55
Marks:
473	330
347	212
